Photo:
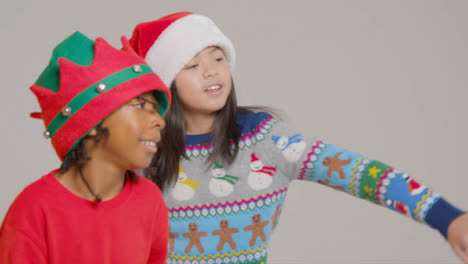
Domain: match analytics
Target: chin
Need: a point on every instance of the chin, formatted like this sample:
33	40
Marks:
215	108
216	105
144	166
141	164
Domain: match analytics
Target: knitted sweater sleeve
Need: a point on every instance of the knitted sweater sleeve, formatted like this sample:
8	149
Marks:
311	159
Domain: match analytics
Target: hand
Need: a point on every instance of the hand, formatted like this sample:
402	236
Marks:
457	236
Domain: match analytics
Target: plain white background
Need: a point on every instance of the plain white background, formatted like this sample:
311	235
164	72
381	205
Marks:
384	78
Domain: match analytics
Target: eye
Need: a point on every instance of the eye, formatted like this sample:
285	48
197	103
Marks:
155	105
220	59
192	66
142	102
140	105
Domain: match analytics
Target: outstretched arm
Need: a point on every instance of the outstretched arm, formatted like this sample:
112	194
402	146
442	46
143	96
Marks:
313	160
457	236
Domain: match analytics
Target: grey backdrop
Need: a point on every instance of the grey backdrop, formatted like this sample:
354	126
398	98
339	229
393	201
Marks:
384	78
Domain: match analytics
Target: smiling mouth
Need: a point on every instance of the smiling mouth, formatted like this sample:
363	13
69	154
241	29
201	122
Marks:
150	145
214	87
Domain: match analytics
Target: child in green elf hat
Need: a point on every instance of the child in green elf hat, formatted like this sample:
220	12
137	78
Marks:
93	209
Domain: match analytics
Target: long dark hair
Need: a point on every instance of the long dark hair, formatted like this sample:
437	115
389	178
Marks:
163	169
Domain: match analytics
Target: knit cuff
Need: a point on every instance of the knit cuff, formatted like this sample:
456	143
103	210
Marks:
441	215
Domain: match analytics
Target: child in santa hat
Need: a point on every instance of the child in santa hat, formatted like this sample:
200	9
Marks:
93	209
205	126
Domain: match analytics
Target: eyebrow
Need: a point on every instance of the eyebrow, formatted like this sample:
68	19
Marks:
215	48
155	103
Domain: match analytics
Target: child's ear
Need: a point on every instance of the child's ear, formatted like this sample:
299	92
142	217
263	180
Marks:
93	132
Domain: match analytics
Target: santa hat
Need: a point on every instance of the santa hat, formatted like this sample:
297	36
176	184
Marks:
87	80
169	43
400	207
253	157
414	187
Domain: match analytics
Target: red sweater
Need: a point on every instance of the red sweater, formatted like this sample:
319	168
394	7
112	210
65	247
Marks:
49	224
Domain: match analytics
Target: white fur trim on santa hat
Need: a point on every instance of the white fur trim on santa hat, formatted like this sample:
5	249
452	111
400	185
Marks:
181	41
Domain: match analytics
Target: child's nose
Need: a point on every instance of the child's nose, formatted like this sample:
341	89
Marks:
210	71
157	120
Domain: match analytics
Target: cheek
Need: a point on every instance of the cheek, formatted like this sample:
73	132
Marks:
185	97
187	91
126	130
229	88
186	82
226	72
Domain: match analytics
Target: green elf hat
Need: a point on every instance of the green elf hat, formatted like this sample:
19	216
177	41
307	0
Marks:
87	80
217	165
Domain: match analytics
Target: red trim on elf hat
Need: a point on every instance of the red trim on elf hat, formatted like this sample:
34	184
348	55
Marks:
107	60
89	117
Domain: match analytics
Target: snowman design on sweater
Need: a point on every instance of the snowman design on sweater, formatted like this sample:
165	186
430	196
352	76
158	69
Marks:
221	184
291	148
184	188
260	177
239	213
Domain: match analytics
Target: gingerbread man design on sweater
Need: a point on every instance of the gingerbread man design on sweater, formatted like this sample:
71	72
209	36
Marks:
327	183
172	237
335	164
194	238
260	177
257	227
275	217
225	235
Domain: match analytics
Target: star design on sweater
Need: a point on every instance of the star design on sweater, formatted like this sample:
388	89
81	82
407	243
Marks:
373	172
368	189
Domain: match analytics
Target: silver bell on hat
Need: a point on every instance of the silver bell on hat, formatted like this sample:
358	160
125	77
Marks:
66	111
100	88
137	68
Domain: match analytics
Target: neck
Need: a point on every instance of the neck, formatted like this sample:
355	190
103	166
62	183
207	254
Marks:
199	123
105	181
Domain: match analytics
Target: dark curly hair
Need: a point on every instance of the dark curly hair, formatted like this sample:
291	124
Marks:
78	156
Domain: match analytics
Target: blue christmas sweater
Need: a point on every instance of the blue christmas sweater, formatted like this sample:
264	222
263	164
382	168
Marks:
226	214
